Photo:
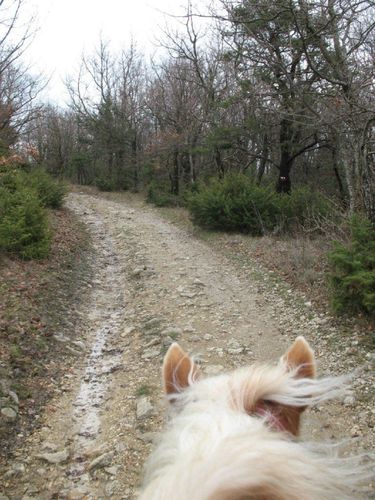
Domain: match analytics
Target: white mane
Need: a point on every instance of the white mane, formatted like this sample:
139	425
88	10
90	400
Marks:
215	448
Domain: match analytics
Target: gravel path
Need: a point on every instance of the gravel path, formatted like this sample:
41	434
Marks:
154	284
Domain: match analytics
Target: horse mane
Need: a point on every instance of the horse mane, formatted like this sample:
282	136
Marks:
233	436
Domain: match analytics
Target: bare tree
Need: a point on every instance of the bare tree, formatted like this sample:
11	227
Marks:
173	103
54	136
336	36
211	134
107	99
19	89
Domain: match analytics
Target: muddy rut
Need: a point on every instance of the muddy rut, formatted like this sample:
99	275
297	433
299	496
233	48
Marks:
154	284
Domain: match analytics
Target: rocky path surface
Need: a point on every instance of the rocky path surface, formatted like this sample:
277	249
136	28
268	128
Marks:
154	284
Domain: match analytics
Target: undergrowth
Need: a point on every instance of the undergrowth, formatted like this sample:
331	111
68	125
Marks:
352	274
236	203
24	223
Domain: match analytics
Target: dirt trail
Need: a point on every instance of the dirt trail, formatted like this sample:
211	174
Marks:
154	284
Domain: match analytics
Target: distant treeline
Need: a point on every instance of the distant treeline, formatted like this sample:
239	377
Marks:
282	92
262	120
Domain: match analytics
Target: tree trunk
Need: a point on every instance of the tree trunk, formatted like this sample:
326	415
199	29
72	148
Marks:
284	184
263	162
110	164
219	162
368	192
192	169
368	170
175	178
353	177
338	177
134	148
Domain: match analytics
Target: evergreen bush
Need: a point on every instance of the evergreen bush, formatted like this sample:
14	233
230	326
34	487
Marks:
352	274
23	224
10	179
50	191
158	195
104	184
236	203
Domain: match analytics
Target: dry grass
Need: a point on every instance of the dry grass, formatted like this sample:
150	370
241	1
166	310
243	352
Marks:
299	260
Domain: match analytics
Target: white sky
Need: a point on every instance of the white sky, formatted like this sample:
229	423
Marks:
69	27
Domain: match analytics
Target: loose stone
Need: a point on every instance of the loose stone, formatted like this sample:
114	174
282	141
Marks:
144	408
54	458
150	353
9	414
102	461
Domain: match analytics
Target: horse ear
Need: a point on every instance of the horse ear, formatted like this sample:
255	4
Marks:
300	356
179	370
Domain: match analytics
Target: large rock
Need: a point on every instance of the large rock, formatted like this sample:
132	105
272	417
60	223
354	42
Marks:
151	353
54	458
49	447
92	453
9	414
148	437
16	470
234	347
102	461
151	324
144	408
14	397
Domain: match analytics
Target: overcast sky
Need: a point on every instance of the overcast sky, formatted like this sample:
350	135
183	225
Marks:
69	27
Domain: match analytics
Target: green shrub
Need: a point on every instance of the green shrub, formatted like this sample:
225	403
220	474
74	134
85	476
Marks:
10	180
104	184
23	224
50	191
158	195
304	208
235	204
352	272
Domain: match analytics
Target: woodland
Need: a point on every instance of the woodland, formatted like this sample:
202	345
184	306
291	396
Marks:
258	117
